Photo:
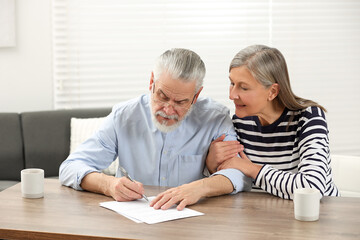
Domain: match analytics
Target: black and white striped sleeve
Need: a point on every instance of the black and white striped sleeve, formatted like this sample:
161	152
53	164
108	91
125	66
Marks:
313	168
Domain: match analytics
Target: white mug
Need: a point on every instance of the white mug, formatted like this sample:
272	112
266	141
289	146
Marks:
32	183
307	204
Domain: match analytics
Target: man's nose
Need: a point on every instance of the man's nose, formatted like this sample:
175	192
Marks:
169	109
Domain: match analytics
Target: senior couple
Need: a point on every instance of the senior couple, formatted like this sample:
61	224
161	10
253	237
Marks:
172	137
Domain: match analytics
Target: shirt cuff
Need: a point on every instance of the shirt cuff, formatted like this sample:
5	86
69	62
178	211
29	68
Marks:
239	181
79	177
72	173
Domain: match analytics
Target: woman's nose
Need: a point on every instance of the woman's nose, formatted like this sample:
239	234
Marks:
233	94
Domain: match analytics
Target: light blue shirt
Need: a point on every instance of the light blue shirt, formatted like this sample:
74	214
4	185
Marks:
149	155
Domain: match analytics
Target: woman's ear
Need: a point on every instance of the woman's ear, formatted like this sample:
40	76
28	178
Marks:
273	91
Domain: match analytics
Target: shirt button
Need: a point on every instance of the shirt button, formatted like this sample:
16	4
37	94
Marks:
163	178
165	152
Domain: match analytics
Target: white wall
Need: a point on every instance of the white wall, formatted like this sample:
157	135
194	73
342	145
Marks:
26	82
25	70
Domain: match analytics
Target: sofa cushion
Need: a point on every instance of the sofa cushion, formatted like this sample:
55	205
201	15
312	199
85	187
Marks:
81	129
84	128
11	147
345	170
47	136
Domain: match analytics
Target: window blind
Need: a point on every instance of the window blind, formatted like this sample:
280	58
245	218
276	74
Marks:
320	41
104	51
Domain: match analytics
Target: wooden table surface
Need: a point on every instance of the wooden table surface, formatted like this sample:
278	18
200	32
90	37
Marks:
64	213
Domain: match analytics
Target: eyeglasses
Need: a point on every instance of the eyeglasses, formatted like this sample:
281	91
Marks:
163	100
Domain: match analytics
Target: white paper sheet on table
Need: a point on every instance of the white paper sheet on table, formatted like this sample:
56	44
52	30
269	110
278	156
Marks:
140	211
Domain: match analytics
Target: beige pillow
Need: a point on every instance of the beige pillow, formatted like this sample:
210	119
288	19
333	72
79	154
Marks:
82	129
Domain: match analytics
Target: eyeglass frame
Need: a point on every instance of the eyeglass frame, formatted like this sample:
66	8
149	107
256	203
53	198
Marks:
167	102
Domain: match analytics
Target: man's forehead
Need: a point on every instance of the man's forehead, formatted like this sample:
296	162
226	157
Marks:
172	88
176	88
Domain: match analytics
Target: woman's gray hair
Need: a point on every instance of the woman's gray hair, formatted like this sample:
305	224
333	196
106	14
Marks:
268	66
181	64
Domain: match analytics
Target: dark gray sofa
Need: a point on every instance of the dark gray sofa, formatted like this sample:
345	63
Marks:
37	140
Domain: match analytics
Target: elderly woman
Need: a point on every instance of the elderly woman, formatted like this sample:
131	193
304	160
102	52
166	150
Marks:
285	137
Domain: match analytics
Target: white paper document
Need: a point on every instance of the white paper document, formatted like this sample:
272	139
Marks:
140	211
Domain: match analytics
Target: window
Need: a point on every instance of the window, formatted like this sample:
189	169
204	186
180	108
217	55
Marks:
104	50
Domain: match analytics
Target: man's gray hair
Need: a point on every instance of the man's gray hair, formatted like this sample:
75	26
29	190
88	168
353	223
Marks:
181	64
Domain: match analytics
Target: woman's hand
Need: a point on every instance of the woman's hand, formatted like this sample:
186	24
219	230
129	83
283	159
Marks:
242	163
221	151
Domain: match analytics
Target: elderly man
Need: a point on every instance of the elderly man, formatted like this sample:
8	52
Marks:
161	138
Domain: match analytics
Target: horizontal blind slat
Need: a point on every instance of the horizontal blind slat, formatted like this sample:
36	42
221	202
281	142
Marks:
104	50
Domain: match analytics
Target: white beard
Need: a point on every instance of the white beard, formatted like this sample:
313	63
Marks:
161	126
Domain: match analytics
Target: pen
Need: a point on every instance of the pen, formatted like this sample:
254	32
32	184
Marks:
124	172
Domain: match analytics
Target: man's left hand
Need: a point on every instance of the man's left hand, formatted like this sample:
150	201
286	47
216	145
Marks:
186	194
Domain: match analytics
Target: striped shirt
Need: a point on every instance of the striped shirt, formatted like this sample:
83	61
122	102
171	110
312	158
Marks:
294	152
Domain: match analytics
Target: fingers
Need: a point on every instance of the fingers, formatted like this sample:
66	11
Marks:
232	149
235	162
165	200
221	151
227	145
182	205
186	194
230	145
220	139
156	199
243	155
228	151
169	198
169	203
126	190
222	145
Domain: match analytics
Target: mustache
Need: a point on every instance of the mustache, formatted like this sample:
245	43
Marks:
162	114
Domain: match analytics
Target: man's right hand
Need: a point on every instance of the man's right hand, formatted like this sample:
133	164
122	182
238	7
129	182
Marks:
121	189
221	151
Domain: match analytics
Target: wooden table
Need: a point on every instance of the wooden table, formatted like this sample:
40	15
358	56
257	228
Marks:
68	214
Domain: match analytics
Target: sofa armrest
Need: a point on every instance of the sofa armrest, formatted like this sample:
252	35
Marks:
11	147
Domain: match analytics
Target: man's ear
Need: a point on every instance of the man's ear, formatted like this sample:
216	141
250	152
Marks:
197	95
151	81
273	91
